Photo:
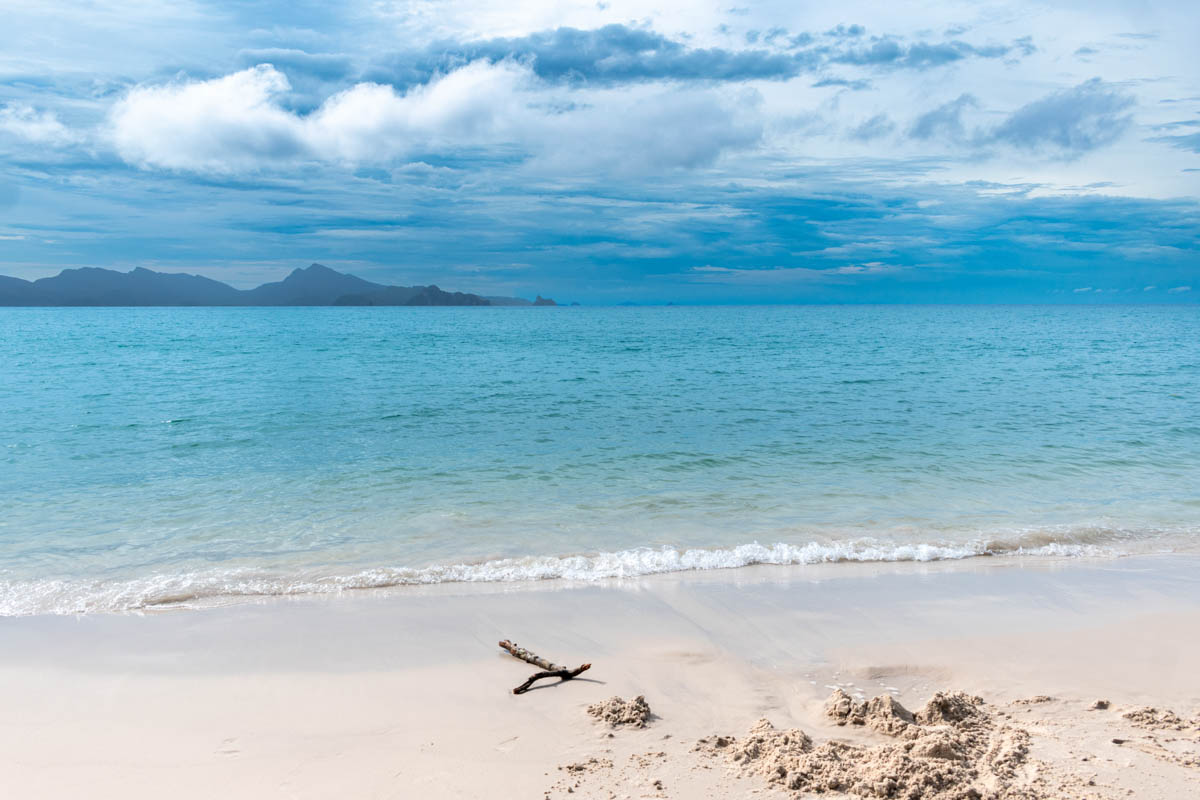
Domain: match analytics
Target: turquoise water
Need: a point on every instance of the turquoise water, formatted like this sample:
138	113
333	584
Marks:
160	455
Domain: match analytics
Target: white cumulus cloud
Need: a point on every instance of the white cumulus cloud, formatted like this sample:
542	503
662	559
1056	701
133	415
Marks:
478	103
220	124
239	122
42	127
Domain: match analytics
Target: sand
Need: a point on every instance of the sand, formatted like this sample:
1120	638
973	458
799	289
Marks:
952	748
617	712
405	694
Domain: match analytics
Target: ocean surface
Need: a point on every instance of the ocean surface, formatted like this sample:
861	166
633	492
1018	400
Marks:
154	456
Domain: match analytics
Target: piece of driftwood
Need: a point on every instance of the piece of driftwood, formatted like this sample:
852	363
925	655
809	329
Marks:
549	669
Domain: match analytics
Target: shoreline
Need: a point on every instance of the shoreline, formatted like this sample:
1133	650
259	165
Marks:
381	695
220	588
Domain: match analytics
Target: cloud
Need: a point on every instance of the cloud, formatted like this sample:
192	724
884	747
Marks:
887	51
479	103
239	123
1182	123
1072	121
1083	289
846	31
1188	141
1179	290
40	127
236	122
778	274
620	54
217	125
607	55
662	129
1063	124
222	124
876	127
944	121
856	85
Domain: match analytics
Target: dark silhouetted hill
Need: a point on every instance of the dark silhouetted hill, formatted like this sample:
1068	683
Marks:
411	296
315	285
91	286
15	291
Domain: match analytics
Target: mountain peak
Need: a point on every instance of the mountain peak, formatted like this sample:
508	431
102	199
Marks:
314	285
313	270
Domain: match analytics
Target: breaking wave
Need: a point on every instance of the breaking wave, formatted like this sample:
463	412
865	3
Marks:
79	596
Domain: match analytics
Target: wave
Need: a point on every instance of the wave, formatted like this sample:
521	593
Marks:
66	596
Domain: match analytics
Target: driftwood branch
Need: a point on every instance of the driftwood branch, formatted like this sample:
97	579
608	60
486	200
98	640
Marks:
549	669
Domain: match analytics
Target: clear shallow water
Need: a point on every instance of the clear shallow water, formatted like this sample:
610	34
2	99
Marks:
157	455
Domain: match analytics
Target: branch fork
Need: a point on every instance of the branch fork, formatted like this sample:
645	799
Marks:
549	669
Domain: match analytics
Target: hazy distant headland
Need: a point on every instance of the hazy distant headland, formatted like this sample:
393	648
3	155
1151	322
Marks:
315	285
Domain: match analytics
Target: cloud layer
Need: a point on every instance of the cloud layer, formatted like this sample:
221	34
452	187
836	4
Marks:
242	122
619	53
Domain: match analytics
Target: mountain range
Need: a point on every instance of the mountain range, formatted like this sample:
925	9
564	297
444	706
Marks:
315	285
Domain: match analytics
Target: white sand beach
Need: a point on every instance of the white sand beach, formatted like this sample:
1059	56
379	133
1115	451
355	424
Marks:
405	693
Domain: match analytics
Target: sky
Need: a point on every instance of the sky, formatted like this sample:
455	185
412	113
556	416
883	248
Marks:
672	151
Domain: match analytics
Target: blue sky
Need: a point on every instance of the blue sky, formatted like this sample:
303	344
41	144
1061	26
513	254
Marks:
610	151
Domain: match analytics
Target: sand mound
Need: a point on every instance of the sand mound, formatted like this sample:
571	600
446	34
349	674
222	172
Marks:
882	713
1155	719
949	750
885	714
951	708
768	751
618	712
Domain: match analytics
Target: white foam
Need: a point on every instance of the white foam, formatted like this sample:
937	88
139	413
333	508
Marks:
64	596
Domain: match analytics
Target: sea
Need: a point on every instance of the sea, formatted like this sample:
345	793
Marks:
180	456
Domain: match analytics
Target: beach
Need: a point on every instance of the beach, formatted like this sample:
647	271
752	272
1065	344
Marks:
404	692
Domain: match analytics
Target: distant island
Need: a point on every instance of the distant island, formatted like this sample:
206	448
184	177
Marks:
315	285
